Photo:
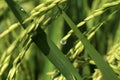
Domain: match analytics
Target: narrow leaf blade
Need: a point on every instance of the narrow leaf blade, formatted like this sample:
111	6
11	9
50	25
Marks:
100	62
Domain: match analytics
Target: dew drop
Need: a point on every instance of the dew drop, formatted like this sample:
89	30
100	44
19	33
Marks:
22	9
63	42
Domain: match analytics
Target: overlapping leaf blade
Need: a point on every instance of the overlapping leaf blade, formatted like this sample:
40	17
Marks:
100	62
46	45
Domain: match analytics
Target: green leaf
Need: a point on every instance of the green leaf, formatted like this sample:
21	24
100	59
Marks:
46	45
107	72
18	11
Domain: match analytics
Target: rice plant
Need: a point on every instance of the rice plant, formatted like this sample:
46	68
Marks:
59	39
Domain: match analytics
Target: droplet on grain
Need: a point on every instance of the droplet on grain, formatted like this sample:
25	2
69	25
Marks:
63	42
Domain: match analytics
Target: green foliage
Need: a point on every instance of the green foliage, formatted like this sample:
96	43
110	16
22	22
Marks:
48	48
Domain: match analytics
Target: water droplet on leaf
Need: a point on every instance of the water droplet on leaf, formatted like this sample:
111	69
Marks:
63	42
22	9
